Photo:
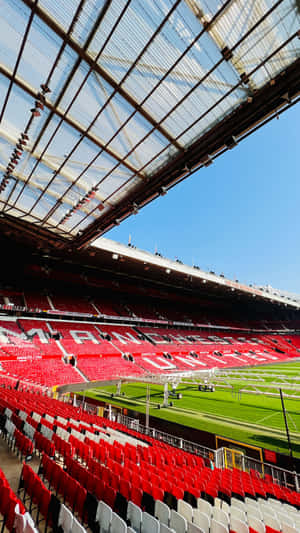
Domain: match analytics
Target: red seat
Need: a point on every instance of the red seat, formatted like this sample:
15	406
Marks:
125	488
100	489
136	495
109	496
80	500
114	481
70	490
157	493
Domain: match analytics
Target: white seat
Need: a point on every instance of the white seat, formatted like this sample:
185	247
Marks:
271	521
166	529
249	500
275	503
256	524
237	503
286	528
204	506
162	512
103	517
238	513
226	507
185	509
192	528
77	527
217	527
261	500
218	503
297	523
150	524
134	516
287	507
238	525
117	525
254	510
292	511
178	522
130	530
65	518
201	520
286	517
268	509
220	516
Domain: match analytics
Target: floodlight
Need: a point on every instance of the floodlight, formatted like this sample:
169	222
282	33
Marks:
39	105
135	208
231	142
45	88
41	98
35	112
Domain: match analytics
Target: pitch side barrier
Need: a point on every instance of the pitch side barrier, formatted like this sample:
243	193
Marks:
177	442
279	475
283	477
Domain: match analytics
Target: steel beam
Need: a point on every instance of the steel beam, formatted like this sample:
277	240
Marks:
241	121
97	68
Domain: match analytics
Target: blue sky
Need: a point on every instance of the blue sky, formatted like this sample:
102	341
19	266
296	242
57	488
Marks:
240	216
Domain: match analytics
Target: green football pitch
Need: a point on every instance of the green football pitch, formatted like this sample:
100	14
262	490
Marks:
254	417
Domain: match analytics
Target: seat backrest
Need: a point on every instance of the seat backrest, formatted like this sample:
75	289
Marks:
256	524
271	521
286	528
134	516
204	506
103	516
192	528
238	513
220	516
286	518
201	520
149	524
162	512
226	507
118	525
77	527
254	510
217	527
178	522
166	529
238	525
65	518
237	503
185	509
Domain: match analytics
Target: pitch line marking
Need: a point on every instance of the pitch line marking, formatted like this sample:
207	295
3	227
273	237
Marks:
265	418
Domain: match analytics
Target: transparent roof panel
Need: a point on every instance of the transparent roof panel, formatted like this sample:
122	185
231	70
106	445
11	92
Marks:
107	92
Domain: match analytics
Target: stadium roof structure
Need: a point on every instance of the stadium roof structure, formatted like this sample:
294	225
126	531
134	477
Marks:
106	104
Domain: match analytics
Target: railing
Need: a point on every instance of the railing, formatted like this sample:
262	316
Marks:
283	477
226	457
177	442
279	475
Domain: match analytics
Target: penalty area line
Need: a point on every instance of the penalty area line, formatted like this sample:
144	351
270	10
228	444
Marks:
265	418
